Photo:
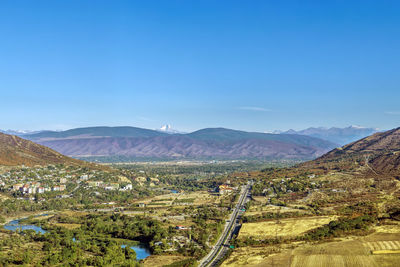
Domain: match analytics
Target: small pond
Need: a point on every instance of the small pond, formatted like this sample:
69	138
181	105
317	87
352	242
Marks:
15	226
142	252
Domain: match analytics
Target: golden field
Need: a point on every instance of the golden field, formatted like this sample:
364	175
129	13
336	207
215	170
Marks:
161	260
282	228
380	249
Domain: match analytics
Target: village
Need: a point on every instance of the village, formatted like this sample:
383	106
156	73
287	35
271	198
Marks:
41	180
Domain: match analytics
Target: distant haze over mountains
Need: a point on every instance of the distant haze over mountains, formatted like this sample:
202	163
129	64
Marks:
210	143
336	135
19	132
339	136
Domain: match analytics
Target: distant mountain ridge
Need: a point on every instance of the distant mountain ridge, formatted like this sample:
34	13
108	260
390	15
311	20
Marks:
99	131
336	135
206	143
19	132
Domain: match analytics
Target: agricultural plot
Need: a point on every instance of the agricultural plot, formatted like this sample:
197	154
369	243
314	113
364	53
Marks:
381	246
376	250
393	228
357	252
386	240
162	260
253	256
332	261
335	254
181	199
257	210
285	228
201	198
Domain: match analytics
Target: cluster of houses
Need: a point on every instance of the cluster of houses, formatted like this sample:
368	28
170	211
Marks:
83	178
224	189
54	178
109	186
35	187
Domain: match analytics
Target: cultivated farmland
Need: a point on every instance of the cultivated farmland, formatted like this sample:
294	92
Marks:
282	228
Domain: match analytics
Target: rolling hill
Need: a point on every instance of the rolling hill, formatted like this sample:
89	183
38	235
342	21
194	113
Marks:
380	153
210	143
17	151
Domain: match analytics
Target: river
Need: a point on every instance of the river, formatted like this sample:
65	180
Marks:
142	251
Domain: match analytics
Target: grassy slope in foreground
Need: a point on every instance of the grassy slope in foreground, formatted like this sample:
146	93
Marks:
17	151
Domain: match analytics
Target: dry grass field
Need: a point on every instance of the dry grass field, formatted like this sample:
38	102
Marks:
69	226
282	228
354	253
392	228
74	213
3	197
380	249
199	198
332	261
357	252
250	256
161	260
124	179
256	210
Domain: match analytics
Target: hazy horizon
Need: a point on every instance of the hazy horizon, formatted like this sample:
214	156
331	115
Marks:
179	131
254	66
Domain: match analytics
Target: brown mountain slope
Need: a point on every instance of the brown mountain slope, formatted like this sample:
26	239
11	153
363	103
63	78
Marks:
183	147
384	141
378	153
17	151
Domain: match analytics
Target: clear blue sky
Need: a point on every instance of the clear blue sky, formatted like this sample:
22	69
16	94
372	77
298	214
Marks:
252	65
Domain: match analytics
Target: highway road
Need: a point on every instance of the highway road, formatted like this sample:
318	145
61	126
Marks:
222	245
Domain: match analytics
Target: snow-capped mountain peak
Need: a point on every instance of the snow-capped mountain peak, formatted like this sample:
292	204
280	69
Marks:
167	128
357	127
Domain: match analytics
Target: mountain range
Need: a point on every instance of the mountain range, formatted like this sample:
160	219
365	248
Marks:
210	143
340	136
375	155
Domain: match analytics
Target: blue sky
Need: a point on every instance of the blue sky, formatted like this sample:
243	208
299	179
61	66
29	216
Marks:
251	65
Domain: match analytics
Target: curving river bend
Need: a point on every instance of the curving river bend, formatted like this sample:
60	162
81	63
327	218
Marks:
142	251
